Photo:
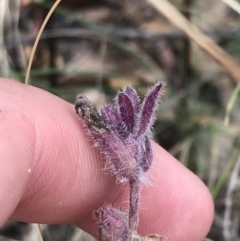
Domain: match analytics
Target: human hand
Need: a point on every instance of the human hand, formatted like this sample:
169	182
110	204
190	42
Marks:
50	173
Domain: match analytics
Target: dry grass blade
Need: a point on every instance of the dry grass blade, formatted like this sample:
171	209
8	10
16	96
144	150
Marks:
38	38
206	43
233	4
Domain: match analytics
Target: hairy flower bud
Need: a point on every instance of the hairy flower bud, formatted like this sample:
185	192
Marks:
122	131
113	224
147	112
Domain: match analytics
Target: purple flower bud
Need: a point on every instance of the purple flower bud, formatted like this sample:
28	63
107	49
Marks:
122	131
146	113
113	224
132	95
126	110
128	106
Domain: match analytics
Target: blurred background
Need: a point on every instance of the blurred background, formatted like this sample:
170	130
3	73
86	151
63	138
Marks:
98	46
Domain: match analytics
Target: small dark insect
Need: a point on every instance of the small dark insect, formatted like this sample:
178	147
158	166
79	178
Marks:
88	112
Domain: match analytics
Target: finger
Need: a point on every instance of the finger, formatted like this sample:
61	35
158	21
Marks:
57	176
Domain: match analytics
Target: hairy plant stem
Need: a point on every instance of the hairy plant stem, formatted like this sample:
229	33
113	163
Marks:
133	204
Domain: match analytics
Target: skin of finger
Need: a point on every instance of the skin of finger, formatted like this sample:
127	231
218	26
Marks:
14	161
66	182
